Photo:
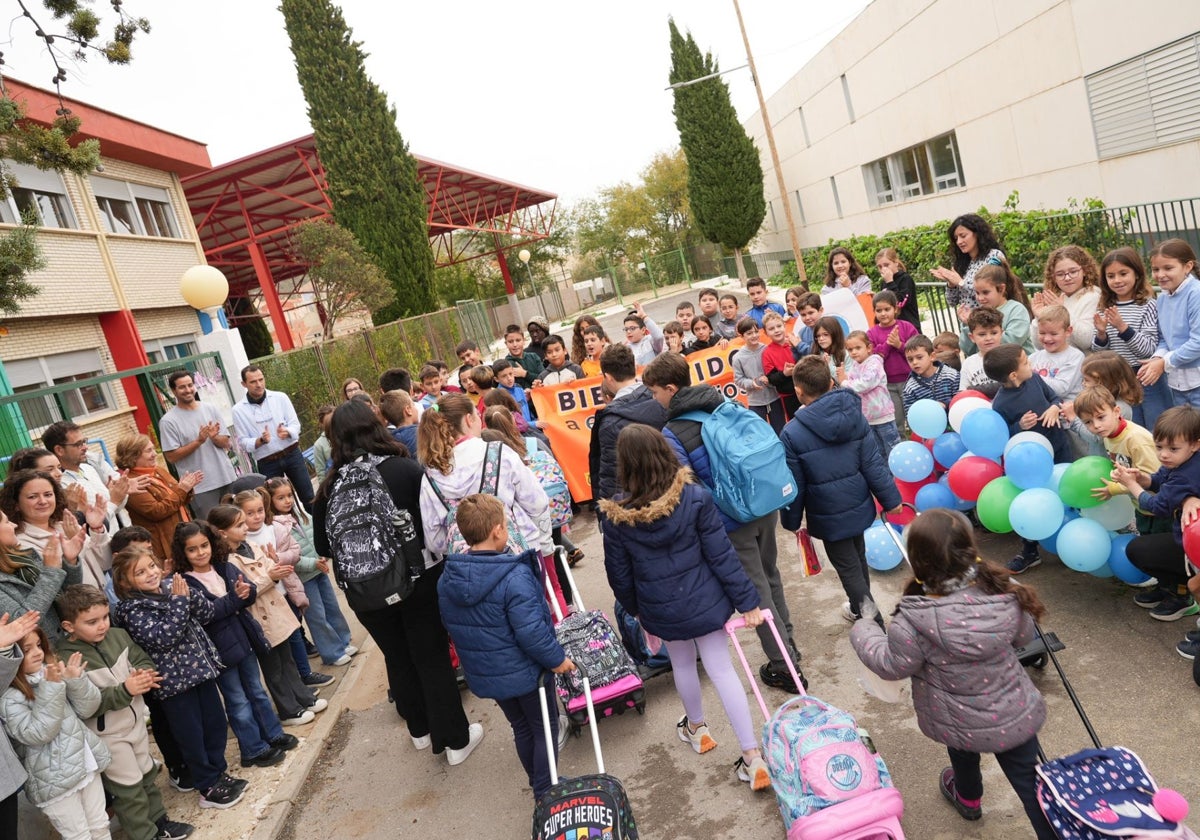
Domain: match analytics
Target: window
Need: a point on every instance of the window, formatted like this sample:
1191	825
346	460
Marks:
28	375
117	201
39	193
925	169
1148	101
170	348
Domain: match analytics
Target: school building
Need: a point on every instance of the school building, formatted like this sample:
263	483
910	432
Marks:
925	109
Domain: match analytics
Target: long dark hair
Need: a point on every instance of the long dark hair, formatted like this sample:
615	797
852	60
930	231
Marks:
354	431
985	239
941	549
646	466
184	531
10	495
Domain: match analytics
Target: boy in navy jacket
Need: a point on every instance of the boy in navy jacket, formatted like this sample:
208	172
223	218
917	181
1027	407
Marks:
494	605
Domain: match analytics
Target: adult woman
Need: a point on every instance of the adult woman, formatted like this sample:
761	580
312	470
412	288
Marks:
32	577
974	245
578	350
351	387
416	649
161	507
36	458
1072	280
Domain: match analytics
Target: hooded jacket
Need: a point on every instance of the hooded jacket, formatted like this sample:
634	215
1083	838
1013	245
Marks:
671	565
638	407
685	438
969	689
837	466
168	627
494	607
232	628
12	774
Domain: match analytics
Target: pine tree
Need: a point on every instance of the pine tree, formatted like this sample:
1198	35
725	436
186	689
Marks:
725	178
373	181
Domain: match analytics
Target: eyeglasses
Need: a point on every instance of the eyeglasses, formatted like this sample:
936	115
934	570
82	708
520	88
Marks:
632	328
1070	274
79	444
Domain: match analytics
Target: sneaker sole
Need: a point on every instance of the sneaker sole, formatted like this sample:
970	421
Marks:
1189	657
1178	614
1025	568
762	780
1147	605
220	806
706	742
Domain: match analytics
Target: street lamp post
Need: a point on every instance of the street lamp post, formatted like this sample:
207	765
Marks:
523	255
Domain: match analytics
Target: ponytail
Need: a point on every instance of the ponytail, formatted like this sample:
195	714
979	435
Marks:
439	429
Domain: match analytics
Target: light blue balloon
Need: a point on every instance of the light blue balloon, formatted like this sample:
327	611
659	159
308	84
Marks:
1056	475
1118	561
882	552
934	496
985	432
1050	544
910	461
1084	545
959	504
1028	466
1105	571
1036	514
927	418
948	448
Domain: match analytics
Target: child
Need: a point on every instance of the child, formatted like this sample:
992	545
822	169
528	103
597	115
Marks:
838	469
726	327
703	330
985	328
321	449
12	775
709	305
443	370
748	374
468	354
930	379
41	711
756	288
578	350
124	674
1107	369
829	343
1178	355
324	616
842	271
863	373
494	606
1177	438
165	620
996	286
887	339
777	360
955	632
948	350
1026	403
595	341
431	384
506	380
685	313
483	380
400	412
673	334
897	280
1058	362
791	302
1127	322
559	370
296	703
1072	279
670	564
525	363
642	335
811	311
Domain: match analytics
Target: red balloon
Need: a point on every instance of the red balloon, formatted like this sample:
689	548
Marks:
1191	542
908	489
972	393
970	474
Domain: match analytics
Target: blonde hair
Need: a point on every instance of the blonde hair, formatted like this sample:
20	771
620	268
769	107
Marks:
773	316
440	427
890	254
1055	315
129	449
260	493
499	420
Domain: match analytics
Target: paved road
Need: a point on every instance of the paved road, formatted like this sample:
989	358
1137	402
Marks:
370	783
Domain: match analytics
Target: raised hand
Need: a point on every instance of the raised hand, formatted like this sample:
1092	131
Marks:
189	480
241	588
1113	314
75	666
59	549
141	680
53	671
119	488
893	338
269	550
96	513
179	586
76	496
12	632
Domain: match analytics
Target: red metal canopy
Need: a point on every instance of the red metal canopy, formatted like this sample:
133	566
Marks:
245	209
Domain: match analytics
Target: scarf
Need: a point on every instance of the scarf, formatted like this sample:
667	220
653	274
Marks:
156	479
950	585
26	567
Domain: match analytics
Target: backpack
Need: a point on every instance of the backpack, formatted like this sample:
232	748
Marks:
376	547
818	758
550	475
489	482
750	475
634	639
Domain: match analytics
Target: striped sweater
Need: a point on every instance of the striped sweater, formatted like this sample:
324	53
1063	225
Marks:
1140	337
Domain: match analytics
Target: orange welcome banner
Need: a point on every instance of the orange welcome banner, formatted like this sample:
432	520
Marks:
567	412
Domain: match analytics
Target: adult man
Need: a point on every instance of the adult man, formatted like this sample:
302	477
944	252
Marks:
66	440
193	438
268	428
632	403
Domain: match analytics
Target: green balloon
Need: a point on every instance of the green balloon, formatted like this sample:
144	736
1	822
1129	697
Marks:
1081	478
994	501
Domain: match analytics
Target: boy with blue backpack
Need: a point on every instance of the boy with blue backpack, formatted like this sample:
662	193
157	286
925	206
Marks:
703	428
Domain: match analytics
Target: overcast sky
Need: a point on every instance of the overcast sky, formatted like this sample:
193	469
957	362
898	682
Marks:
563	96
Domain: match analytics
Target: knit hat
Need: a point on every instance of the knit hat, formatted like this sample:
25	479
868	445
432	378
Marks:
540	321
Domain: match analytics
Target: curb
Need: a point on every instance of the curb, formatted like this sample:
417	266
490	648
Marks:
269	824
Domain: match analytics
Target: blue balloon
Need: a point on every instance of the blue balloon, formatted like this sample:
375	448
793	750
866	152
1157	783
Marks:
1105	571
882	552
1028	465
927	418
1056	475
844	324
1084	545
934	496
1036	514
1118	561
984	432
1051	543
910	461
948	448
959	504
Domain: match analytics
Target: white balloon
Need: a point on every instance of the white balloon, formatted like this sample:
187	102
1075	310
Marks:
964	407
1116	513
1029	437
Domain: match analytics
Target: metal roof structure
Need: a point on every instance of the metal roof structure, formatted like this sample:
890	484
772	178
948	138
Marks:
244	211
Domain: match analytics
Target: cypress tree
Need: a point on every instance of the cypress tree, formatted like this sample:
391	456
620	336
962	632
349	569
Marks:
373	182
725	178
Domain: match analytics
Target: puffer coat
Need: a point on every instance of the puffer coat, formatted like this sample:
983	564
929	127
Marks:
168	627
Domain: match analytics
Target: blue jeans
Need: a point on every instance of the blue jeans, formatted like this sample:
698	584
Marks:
251	715
887	436
524	714
296	644
330	632
1191	397
1156	399
295	468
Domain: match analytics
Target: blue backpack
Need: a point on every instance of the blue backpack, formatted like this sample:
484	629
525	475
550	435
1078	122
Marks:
749	469
635	641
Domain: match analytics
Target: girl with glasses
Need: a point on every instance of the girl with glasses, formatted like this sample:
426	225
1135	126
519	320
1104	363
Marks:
1072	280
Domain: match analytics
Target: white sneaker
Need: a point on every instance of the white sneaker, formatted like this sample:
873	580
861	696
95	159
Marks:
755	773
304	717
351	650
421	743
344	659
699	738
848	613
454	757
564	731
321	705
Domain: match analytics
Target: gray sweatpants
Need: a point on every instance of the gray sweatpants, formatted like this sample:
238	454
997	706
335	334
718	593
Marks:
755	545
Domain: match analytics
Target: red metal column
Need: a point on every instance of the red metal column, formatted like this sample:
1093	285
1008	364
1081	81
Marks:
125	345
266	282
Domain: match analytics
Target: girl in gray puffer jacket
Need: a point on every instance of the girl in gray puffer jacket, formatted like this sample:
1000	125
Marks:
955	632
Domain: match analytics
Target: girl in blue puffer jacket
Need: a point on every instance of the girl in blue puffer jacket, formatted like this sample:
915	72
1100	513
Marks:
671	565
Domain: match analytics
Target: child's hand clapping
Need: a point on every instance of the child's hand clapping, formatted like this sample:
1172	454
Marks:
12	632
241	588
141	680
53	671
179	586
893	338
75	666
564	666
279	572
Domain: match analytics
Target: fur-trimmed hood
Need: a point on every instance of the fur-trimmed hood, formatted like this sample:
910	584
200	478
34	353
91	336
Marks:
660	508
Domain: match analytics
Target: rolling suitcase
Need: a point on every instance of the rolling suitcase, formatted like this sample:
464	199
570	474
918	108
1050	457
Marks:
592	643
830	782
591	807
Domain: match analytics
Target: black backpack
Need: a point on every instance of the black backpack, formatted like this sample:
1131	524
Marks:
376	548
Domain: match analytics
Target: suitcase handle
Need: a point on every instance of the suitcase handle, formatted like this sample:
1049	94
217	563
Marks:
736	623
587	694
566	567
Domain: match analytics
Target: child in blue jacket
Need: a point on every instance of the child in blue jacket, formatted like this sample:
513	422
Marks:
494	606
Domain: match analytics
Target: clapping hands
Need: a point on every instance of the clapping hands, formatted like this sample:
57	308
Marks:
12	632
